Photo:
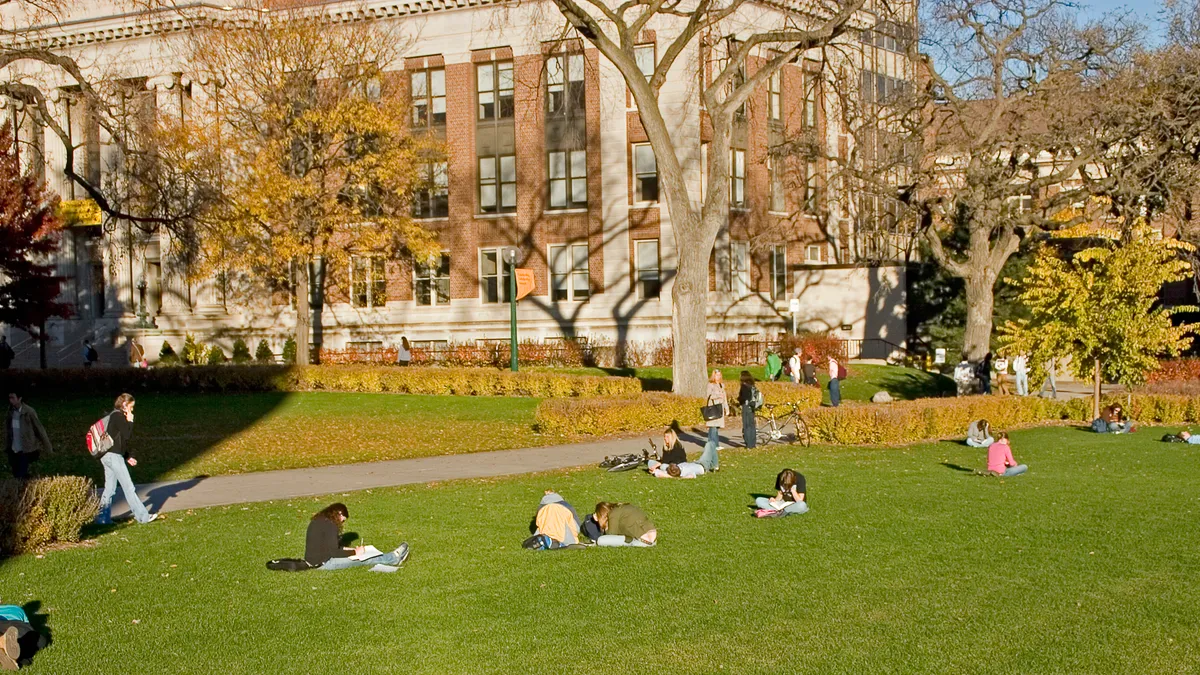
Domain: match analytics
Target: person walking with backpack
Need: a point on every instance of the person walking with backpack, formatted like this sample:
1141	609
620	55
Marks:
836	372
750	399
25	437
119	427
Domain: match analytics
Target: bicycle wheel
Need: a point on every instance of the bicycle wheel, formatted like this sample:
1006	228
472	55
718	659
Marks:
802	434
765	431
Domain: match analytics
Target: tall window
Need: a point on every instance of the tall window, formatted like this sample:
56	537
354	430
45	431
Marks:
776	201
739	268
810	101
429	97
779	272
432	198
703	171
568	179
368	281
433	281
498	184
775	96
494	82
737	179
645	174
569	272
810	186
493	276
564	85
649	282
643	55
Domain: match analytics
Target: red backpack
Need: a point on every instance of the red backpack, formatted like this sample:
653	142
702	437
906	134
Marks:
841	371
97	440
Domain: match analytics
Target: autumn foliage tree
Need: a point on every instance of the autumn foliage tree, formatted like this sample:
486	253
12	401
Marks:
28	235
1100	308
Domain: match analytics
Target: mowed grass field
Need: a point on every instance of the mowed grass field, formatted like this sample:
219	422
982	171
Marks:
905	564
188	435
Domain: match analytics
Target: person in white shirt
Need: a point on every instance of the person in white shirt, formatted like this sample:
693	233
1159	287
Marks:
964	377
835	384
681	470
404	352
1020	366
795	367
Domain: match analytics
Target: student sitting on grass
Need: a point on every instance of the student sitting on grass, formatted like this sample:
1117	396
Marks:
323	543
672	450
789	494
1113	421
979	434
1000	460
624	525
684	469
556	524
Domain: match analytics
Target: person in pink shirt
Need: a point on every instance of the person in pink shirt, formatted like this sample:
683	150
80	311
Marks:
1000	459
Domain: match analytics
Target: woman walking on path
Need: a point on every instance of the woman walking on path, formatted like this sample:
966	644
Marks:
119	428
716	395
404	352
835	382
746	401
323	543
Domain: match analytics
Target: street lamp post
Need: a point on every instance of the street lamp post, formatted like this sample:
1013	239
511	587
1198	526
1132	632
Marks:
510	258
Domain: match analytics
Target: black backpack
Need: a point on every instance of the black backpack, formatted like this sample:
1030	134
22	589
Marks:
290	565
1172	438
92	354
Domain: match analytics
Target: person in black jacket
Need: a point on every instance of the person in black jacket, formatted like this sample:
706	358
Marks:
746	400
672	452
323	543
119	427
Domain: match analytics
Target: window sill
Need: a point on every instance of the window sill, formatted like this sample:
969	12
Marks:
778	213
495	216
435	219
739	209
644	205
566	212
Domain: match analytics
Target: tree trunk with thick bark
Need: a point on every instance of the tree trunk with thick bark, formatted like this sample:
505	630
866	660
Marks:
981	303
1096	389
689	319
303	313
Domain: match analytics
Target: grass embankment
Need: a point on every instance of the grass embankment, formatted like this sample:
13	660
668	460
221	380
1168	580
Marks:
187	435
1087	564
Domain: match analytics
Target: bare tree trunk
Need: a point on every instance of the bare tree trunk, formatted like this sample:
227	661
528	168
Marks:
1096	390
977	338
689	320
303	312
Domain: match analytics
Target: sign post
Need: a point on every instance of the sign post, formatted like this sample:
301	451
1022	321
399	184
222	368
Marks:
511	256
794	308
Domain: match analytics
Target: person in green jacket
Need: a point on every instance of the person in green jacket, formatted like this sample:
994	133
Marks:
624	525
774	367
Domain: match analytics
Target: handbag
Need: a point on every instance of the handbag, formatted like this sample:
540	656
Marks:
712	411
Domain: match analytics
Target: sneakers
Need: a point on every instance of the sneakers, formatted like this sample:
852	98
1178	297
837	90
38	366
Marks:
401	553
153	517
10	650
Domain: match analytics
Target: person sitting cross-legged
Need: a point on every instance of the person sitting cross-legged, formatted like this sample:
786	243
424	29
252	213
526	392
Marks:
1000	460
979	434
323	546
790	496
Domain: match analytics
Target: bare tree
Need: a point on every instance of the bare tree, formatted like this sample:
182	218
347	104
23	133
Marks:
732	31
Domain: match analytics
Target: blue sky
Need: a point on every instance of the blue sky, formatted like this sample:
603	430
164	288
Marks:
1145	11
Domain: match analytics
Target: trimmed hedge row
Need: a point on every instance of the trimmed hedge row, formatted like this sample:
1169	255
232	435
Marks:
256	378
44	511
806	397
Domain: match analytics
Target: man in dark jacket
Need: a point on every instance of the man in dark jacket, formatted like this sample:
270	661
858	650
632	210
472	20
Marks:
25	438
6	353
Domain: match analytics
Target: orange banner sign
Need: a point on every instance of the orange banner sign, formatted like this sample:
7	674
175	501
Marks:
525	282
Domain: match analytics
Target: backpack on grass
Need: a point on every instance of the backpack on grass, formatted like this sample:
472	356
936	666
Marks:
290	565
97	440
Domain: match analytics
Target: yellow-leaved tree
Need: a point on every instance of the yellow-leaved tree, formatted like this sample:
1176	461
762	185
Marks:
1100	308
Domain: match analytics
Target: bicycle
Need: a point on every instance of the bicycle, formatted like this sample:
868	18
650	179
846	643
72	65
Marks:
784	426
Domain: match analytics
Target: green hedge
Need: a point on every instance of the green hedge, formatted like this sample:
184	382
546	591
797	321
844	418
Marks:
44	511
610	415
267	378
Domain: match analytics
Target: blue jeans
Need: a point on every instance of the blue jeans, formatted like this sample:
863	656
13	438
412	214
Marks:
619	540
714	435
346	563
748	429
116	471
1022	384
708	458
1015	470
835	392
795	508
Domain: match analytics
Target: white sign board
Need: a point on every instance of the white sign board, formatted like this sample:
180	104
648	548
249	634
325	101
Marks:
794	306
939	355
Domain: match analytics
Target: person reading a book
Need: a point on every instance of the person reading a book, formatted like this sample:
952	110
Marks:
323	544
624	525
789	496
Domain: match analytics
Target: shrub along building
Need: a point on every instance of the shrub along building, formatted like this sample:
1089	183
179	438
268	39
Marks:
545	152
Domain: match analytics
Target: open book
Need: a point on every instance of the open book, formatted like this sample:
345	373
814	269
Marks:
368	552
779	504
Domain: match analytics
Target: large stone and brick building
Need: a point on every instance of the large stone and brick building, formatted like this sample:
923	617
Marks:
546	153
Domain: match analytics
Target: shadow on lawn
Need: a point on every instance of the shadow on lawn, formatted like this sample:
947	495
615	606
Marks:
39	639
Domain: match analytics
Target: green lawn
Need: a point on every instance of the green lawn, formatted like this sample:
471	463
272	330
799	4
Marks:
186	435
1087	564
864	381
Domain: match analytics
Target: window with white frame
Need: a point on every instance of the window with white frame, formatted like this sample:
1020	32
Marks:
569	279
703	171
737	179
568	179
493	276
428	97
498	184
494	86
564	85
810	101
812	253
643	56
1021	204
775	196
431	199
779	272
368	281
432	281
775	96
739	268
810	186
648	279
645	174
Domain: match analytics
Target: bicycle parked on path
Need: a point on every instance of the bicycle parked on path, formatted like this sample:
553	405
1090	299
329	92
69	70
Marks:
781	423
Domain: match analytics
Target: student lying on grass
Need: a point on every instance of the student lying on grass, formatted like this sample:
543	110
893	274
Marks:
789	496
556	524
1000	458
624	525
683	468
18	639
323	545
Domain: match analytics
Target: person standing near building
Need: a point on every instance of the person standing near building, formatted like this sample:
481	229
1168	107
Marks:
964	377
746	400
25	437
774	367
810	370
984	374
90	355
796	366
716	396
6	353
137	354
404	352
1020	367
836	373
1050	382
119	427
